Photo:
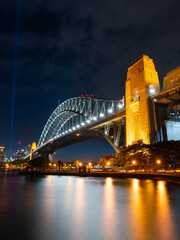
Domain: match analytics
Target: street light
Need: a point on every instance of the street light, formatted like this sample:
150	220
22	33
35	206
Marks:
50	164
90	164
158	161
108	163
134	162
80	164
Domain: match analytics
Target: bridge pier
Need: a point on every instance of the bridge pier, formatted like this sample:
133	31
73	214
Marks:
112	132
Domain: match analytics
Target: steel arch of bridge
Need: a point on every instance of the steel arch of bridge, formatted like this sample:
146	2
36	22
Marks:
77	113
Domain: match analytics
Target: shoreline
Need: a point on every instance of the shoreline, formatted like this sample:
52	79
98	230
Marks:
170	177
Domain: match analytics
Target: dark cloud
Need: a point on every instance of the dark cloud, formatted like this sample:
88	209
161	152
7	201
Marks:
72	47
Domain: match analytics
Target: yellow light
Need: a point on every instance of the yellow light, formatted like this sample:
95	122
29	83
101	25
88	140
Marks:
54	164
54	152
50	164
158	161
78	134
133	162
108	163
90	164
80	164
112	137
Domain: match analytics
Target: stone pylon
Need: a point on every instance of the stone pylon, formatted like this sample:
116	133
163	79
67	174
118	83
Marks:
142	82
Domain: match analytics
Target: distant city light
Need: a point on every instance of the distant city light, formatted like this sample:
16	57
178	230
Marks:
78	134
134	162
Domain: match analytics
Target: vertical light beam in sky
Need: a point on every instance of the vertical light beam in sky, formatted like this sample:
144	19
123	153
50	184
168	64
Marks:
15	64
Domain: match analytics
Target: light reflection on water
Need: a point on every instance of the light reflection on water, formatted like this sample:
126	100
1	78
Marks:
164	214
76	208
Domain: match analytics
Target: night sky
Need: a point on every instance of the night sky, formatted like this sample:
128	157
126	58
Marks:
69	48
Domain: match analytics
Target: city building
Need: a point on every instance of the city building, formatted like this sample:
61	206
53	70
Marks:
2	154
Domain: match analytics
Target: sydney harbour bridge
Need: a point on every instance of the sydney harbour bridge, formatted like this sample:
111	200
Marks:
145	113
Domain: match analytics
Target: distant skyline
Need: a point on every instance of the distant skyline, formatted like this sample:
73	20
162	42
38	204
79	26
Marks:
69	48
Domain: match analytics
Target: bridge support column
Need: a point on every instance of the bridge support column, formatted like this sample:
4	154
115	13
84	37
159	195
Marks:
114	139
107	137
142	81
33	148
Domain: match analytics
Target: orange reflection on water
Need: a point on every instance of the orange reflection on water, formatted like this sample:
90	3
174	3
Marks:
164	219
109	218
136	210
150	213
48	198
78	216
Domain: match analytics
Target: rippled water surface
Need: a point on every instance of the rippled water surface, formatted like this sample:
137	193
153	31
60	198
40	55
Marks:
67	207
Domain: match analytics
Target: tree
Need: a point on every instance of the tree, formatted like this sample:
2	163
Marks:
113	161
60	164
103	162
76	164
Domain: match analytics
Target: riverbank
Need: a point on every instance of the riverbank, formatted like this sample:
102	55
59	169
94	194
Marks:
172	177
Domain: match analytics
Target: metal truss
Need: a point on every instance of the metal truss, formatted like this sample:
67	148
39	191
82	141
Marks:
77	113
112	133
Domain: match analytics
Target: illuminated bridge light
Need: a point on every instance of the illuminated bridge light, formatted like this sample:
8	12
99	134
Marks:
152	90
66	132
101	114
70	130
110	110
94	118
73	128
82	123
78	126
88	121
120	105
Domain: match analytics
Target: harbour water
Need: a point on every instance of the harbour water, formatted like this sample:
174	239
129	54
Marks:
77	208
